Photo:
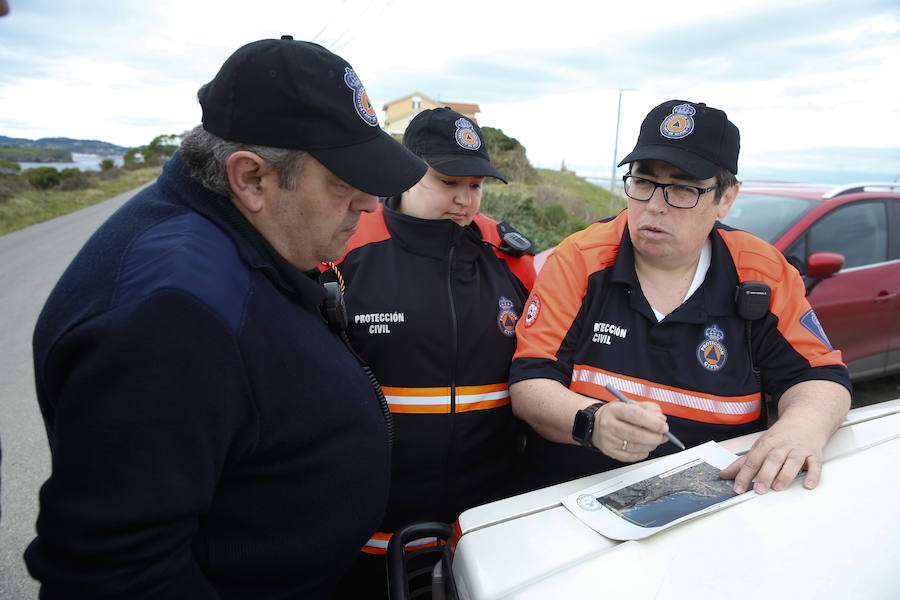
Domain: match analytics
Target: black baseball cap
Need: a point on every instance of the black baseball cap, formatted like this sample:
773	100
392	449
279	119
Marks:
451	143
297	95
696	138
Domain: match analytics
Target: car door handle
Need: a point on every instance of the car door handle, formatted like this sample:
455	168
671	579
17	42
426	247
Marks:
884	296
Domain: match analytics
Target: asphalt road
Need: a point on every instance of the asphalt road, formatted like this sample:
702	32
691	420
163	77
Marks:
31	260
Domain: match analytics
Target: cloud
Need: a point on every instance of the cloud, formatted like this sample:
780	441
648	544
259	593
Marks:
805	74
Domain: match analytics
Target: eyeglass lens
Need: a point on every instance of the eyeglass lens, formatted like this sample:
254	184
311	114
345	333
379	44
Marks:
676	195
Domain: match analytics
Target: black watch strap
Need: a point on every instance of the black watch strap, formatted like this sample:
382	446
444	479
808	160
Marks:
583	427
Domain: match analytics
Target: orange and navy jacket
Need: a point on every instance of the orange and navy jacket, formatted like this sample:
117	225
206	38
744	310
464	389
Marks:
432	308
588	324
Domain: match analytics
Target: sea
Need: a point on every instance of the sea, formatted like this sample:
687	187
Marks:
82	162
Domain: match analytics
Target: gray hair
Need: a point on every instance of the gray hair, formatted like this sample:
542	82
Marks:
206	156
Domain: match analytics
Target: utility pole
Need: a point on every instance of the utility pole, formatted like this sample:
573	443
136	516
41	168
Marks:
612	175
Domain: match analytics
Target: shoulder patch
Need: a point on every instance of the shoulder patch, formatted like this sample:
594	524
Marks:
533	310
811	322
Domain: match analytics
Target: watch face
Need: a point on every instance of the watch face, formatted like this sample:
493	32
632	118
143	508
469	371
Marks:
583	426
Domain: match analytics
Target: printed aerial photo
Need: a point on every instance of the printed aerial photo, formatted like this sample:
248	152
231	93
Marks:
659	500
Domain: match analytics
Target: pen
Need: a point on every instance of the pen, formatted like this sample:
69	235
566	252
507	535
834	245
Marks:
627	400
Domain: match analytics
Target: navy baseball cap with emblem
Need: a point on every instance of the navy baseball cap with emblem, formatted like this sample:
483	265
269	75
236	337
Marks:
297	95
451	143
698	139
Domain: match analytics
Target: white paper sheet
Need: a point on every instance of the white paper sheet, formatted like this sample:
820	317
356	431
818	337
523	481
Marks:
669	491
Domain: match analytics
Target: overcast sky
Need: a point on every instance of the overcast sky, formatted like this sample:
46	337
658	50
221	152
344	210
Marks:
812	85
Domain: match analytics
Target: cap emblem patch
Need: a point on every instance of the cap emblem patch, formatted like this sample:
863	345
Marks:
680	123
506	317
361	100
711	353
466	135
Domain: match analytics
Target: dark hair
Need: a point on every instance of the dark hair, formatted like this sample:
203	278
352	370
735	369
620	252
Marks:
206	156
724	179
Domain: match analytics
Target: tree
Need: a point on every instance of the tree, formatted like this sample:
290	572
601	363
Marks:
132	158
106	164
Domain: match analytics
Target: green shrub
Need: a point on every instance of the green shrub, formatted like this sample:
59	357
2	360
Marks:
73	179
42	178
10	185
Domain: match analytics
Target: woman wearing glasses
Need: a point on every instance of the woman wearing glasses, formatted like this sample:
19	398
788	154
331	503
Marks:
645	302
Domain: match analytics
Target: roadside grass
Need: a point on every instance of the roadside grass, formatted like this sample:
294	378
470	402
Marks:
547	207
31	206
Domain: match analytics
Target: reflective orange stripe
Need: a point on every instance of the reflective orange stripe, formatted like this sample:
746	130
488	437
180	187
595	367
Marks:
436	400
378	543
686	404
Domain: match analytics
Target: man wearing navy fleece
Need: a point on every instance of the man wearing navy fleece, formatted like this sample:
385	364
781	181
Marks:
211	437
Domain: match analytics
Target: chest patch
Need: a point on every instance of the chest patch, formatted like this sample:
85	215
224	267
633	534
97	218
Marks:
507	317
711	353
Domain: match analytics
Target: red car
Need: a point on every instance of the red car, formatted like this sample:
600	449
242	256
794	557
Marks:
845	241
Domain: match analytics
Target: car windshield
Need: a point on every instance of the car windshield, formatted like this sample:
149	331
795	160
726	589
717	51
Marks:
767	216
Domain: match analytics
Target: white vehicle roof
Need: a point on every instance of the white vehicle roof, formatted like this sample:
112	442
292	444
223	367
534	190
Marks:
841	540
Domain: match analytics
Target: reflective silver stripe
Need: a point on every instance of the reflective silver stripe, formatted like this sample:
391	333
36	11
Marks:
445	400
668	396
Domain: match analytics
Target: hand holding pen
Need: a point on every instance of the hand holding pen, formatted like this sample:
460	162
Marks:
627	400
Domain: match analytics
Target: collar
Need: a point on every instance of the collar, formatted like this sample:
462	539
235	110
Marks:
180	188
432	237
715	297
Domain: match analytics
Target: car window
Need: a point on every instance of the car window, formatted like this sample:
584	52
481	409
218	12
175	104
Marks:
858	231
767	216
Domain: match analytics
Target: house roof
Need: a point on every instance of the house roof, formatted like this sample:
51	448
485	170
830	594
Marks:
457	106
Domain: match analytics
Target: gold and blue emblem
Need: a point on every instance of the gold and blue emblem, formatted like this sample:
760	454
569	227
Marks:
466	136
361	101
680	123
711	353
507	318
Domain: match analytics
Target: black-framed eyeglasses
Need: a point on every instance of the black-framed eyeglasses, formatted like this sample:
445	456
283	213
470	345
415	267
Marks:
676	195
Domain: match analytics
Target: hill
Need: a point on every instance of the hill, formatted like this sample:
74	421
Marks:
543	204
63	143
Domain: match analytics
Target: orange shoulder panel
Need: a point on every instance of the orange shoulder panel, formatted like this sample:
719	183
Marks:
560	287
522	267
757	260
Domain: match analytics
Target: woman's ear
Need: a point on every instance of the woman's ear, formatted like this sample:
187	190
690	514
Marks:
245	173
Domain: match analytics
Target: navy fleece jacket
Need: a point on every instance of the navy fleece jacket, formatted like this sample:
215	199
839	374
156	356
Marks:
211	438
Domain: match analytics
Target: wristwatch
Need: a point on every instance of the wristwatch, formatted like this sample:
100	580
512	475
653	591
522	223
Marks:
583	427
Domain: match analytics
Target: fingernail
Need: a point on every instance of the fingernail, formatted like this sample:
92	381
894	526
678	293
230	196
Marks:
809	484
761	488
738	489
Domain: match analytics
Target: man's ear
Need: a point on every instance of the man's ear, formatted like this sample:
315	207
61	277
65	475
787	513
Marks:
245	176
727	200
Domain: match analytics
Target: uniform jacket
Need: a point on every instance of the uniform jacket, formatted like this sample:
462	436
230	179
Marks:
588	324
433	309
205	425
